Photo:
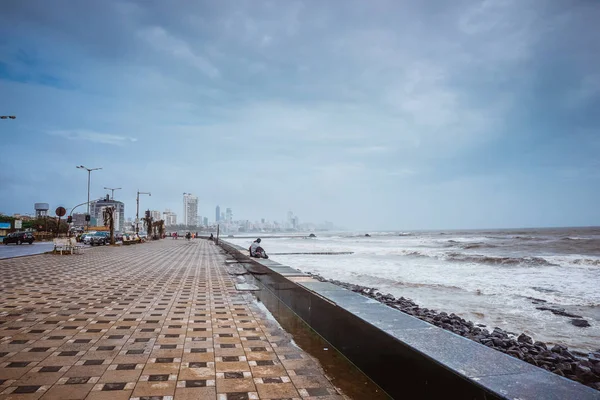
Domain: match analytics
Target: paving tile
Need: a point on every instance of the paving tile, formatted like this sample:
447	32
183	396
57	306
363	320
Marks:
160	320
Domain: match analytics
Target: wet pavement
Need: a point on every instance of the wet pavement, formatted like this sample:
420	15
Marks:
13	250
161	320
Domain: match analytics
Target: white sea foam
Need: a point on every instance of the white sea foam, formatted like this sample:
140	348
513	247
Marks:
490	283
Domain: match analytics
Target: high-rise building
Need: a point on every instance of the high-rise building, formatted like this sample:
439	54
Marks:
170	217
97	207
217	214
205	221
228	215
155	214
190	209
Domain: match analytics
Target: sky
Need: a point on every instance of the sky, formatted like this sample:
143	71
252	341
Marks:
380	114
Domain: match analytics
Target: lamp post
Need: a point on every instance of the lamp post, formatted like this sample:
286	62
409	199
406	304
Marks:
137	210
112	196
89	170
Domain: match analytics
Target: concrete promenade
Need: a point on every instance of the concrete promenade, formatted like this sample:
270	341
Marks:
162	320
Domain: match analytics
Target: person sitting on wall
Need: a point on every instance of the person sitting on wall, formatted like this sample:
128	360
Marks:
256	250
212	238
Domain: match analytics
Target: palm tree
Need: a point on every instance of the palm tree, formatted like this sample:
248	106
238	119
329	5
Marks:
148	223
108	214
161	228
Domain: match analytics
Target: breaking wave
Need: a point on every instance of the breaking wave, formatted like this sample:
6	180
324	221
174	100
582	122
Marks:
489	260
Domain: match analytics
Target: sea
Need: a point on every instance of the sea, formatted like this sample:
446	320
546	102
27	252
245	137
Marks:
499	278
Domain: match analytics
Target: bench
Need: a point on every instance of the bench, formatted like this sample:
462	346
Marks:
67	245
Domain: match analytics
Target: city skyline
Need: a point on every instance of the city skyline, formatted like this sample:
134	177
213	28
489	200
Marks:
380	115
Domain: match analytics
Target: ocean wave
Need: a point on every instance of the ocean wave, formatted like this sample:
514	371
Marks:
414	253
378	280
482	259
470	245
587	261
534	238
491	260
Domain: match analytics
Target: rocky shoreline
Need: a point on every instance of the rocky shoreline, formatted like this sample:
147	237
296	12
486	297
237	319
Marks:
574	365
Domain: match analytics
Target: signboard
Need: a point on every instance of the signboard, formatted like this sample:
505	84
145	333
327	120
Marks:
60	211
18	224
4	225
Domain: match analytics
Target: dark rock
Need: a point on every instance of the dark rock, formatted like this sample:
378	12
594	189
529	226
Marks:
581	323
541	345
558	348
558	311
523	338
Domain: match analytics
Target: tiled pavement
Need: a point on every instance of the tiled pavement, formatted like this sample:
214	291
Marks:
162	320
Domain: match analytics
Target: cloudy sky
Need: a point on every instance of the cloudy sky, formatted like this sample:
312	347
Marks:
381	114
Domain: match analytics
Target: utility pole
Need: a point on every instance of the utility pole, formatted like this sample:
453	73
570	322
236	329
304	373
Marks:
137	210
89	170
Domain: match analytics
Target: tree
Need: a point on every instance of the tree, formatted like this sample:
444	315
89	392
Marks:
148	223
108	214
161	228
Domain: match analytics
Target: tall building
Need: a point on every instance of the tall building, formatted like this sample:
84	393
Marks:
170	217
217	214
205	221
97	207
155	214
190	209
228	215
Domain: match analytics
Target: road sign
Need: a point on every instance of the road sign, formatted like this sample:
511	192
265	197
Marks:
18	224
60	211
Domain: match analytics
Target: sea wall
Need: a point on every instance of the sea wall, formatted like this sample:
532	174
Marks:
407	357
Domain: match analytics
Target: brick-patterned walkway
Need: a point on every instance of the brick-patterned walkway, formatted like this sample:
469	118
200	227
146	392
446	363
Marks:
161	320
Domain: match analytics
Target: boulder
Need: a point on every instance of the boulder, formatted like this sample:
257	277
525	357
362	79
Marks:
558	348
523	338
541	345
580	323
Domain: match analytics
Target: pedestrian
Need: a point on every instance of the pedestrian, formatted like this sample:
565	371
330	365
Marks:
256	250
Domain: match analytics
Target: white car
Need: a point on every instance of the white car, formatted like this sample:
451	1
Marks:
86	237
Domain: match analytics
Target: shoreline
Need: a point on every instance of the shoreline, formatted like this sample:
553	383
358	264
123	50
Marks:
571	364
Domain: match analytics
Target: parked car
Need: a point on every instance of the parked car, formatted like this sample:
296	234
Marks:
100	238
18	238
86	237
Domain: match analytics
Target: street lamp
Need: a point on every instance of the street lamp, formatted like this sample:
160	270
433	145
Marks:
112	196
89	170
137	210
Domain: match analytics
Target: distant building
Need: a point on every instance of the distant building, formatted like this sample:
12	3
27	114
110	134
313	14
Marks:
217	214
190	209
228	215
98	206
155	214
205	221
170	217
79	220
